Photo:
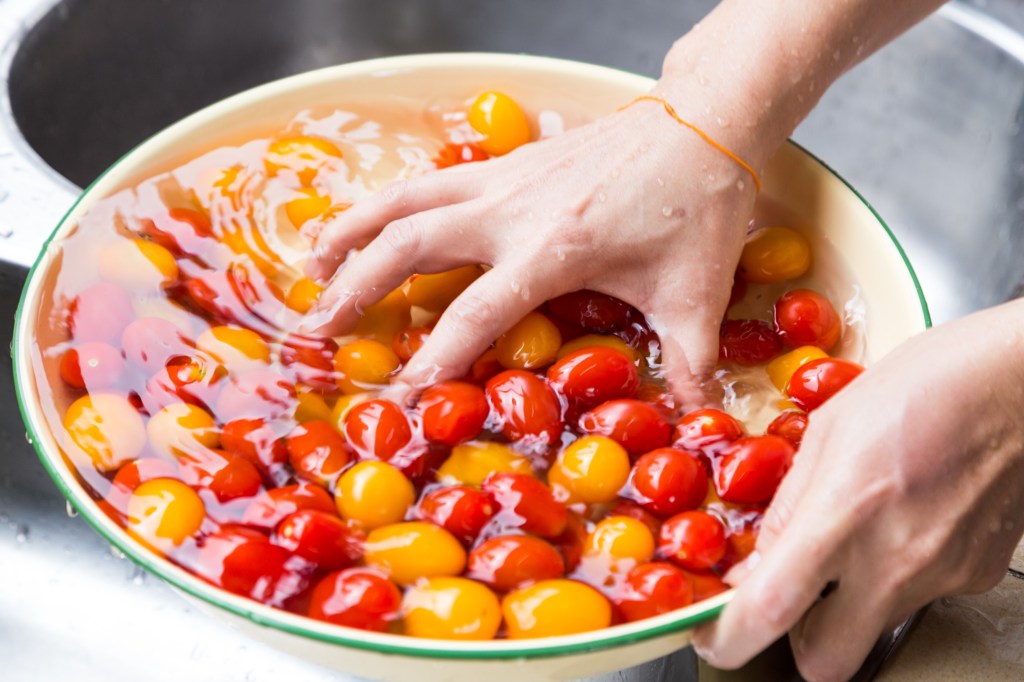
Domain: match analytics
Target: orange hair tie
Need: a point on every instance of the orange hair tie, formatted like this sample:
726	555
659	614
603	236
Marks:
707	138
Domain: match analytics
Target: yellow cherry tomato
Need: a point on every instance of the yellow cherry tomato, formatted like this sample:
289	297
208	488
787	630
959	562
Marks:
781	369
182	428
554	607
306	206
106	428
451	608
303	294
590	340
303	154
621	537
310	405
385	318
341	409
775	254
138	265
374	494
499	119
533	342
164	512
406	552
436	292
470	463
591	469
364	365
236	348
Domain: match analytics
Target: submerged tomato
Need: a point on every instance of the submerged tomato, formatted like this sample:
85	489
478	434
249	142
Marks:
455	154
508	561
595	375
459	509
592	310
244	561
356	598
317	451
525	406
653	589
818	380
320	538
806	318
670	481
694	540
790	425
453	412
100	313
526	503
92	365
748	342
256	441
706	430
750	470
271	506
149	342
377	429
635	425
310	360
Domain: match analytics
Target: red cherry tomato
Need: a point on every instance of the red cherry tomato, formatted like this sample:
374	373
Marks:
137	472
572	542
525	406
705	585
190	378
254	440
270	507
750	469
356	598
310	360
818	380
526	503
806	318
227	476
508	561
748	342
670	481
637	426
92	365
317	451
706	430
461	510
408	341
594	375
148	343
256	394
485	367
243	561
455	154
377	429
320	538
180	230
694	540
100	313
790	425
453	412
591	310
653	589
639	335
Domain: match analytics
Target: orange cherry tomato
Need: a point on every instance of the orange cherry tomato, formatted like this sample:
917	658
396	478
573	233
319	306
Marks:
670	481
303	295
499	119
453	412
526	503
364	365
531	343
106	428
750	470
818	380
385	318
555	607
508	561
451	608
635	425
436	292
306	206
775	254
164	512
302	154
471	463
595	375
374	494
455	154
617	538
356	598
592	469
412	550
693	540
138	265
781	369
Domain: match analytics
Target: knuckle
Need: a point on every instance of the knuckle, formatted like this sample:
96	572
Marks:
395	192
404	237
772	609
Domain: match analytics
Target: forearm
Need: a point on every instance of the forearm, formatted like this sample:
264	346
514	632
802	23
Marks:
752	70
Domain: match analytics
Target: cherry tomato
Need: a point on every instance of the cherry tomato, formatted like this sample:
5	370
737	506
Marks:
232	296
499	119
317	451
144	469
374	494
304	155
633	510
255	394
377	429
459	509
585	341
706	430
471	463
408	342
451	608
149	342
227	476
453	412
243	561
138	265
236	348
412	550
254	440
653	589
571	542
455	154
356	598
192	378
592	310
525	406
670	481
380	322
320	538
508	561
595	375
92	365
107	429
436	292
363	365
555	607
694	540
790	425
781	369
748	342
806	318
303	293
531	343
592	469
271	506
163	512
751	469
306	206
616	538
100	313
526	503
819	380
485	367
705	585
310	359
180	230
635	425
775	254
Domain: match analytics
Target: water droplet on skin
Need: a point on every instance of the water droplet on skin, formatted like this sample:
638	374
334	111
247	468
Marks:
661	183
740	185
601	197
515	286
559	253
835	56
666	211
722	122
702	80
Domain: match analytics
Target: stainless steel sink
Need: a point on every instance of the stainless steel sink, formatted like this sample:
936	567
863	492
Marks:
929	131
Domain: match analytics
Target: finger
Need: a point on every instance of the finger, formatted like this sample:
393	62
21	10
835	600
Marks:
357	226
773	597
485	310
689	350
836	635
788	496
428	242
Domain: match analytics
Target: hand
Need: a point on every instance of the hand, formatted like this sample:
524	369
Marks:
909	486
633	205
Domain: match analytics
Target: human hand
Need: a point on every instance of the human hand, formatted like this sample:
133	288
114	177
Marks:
633	205
909	486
